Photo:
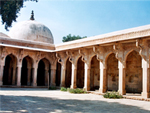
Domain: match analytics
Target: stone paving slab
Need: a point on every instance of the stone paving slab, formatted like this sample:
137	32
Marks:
30	100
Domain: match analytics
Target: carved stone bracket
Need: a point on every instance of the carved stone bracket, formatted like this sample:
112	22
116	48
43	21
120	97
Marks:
59	59
21	53
142	45
98	50
38	56
4	53
118	50
53	58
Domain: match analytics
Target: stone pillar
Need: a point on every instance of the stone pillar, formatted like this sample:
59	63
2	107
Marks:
53	77
86	77
146	79
29	77
46	77
63	73
1	74
103	81
74	77
14	76
35	76
122	75
19	75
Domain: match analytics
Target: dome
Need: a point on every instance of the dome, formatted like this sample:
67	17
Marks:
31	30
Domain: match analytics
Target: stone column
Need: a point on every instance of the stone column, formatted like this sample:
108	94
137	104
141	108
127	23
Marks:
46	77
63	73
122	75
53	77
14	76
103	83
34	76
146	79
29	77
86	77
19	75
1	74
74	77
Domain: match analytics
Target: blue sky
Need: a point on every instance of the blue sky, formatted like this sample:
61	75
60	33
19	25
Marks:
86	17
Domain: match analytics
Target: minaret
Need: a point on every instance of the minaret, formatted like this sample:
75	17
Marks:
32	15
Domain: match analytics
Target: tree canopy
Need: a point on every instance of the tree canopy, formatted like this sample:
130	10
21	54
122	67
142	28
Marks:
70	38
9	10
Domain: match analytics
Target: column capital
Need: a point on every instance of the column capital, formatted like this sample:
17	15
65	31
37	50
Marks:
53	66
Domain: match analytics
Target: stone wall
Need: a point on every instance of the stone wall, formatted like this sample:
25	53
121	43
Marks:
133	73
94	74
112	73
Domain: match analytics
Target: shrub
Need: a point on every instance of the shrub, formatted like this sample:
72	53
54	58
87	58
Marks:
63	89
52	88
112	95
76	91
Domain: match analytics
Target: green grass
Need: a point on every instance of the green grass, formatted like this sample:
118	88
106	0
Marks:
76	91
63	89
112	95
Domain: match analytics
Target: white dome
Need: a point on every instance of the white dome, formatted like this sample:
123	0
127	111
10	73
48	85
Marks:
31	30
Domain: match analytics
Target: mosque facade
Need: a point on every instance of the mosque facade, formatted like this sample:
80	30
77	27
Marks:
117	61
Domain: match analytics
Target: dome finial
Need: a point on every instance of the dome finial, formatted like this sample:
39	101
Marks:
32	15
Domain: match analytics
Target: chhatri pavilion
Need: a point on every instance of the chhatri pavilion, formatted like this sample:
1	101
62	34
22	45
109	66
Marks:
116	61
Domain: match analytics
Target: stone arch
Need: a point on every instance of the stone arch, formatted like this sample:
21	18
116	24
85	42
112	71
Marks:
133	72
26	71
112	73
9	74
80	73
58	74
94	73
43	72
68	73
127	54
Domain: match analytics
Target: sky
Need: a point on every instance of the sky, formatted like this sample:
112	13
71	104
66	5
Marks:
86	17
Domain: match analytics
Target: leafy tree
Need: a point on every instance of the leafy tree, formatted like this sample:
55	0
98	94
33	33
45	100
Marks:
70	38
9	10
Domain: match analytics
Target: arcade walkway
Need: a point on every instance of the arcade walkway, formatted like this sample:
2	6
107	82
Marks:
35	100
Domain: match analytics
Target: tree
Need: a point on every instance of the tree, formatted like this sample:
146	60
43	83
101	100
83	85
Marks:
9	10
70	38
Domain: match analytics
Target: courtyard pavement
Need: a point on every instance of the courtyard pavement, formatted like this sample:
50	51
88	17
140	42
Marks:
34	100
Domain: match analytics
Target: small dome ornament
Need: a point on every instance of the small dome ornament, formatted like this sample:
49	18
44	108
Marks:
32	15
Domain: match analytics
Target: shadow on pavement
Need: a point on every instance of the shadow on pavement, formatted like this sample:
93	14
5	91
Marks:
30	104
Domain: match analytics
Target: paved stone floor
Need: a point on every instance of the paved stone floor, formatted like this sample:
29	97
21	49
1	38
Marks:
28	100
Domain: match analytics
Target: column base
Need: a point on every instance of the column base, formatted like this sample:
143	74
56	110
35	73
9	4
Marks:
102	90
1	83
122	92
18	84
73	87
52	85
62	85
35	84
86	89
146	95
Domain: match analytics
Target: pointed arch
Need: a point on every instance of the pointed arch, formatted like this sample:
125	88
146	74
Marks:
68	73
26	72
9	74
80	73
112	73
43	72
58	74
94	73
133	72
